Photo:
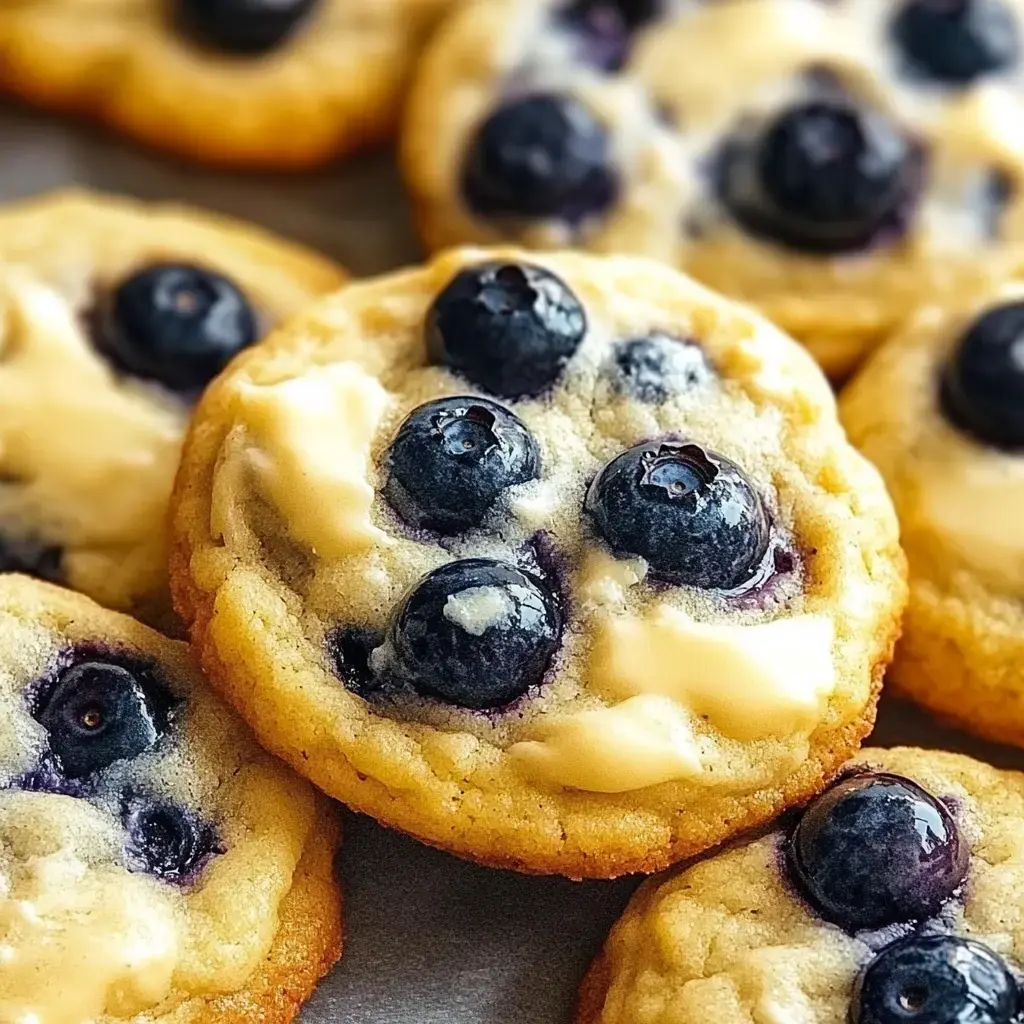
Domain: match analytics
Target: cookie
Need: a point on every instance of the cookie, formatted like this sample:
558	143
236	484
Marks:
830	163
938	410
509	553
892	898
156	866
113	316
261	84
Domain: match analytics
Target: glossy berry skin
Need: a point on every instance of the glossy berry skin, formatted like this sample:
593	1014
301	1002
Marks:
509	328
982	387
956	42
453	458
935	979
876	850
691	514
166	841
657	367
243	26
31	557
477	633
99	713
538	157
824	178
177	324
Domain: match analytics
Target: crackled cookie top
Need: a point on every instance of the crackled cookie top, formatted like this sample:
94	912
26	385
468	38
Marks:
147	845
252	83
892	898
793	152
521	546
113	317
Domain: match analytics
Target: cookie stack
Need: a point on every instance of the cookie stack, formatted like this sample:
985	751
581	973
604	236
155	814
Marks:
542	552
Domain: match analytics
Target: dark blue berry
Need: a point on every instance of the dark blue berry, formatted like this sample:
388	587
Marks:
824	178
167	841
542	156
935	979
31	557
243	26
658	367
691	514
453	458
178	325
98	713
349	648
876	850
476	633
957	41
510	328
982	385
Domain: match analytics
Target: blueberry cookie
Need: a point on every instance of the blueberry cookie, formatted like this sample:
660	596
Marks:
829	162
113	316
940	410
512	555
893	898
271	84
156	867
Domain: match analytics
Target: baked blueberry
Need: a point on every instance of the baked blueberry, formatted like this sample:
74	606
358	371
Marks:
957	41
243	26
935	979
453	458
877	850
166	840
510	328
99	712
477	633
982	384
823	177
657	367
177	324
691	514
32	558
540	156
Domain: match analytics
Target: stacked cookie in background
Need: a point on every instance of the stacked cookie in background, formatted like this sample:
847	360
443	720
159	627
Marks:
558	561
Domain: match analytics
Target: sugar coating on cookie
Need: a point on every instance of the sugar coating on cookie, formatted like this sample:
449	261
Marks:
828	162
938	410
892	897
155	864
113	317
275	84
513	553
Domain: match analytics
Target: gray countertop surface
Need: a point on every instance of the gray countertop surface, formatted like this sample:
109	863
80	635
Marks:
429	939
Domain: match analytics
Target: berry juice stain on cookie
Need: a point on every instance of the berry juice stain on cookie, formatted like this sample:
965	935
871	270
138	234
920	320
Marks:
155	865
250	84
513	553
889	899
829	162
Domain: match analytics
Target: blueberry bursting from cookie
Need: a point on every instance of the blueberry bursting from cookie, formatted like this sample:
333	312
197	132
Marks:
480	633
876	851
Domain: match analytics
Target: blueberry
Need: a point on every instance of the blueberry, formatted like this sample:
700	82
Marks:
957	41
242	26
691	514
600	30
166	841
349	649
982	384
99	713
935	979
177	324
510	328
825	177
540	156
658	367
476	633
877	850
31	557
453	458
